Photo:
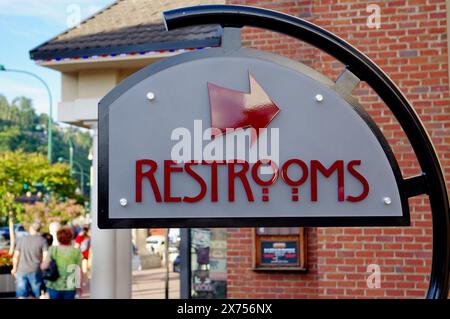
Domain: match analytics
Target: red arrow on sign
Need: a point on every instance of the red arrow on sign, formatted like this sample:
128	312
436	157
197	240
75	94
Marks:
236	109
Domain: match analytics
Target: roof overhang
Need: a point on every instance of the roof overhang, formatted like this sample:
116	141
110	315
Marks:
129	56
35	54
125	61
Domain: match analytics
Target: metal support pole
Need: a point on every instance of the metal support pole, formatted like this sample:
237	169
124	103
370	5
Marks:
80	168
71	156
82	181
166	293
185	263
81	175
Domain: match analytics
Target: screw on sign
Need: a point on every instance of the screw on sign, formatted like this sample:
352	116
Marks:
123	202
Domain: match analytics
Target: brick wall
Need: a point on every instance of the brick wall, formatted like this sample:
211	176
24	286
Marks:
411	47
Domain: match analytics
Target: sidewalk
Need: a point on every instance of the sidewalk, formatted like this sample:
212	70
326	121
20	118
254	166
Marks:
150	284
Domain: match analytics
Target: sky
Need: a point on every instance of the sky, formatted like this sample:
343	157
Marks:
25	24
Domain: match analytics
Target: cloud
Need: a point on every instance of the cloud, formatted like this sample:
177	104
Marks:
49	10
93	9
12	88
31	34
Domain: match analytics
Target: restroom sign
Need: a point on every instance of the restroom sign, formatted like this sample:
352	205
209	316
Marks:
230	138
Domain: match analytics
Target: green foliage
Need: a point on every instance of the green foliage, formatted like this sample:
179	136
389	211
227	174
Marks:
21	129
23	161
14	138
26	172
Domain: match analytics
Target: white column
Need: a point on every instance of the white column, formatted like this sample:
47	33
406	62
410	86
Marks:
103	270
123	264
140	238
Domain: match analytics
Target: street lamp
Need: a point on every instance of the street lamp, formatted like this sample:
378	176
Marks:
50	119
82	173
70	155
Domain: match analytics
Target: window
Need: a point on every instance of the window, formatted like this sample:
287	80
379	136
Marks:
209	263
280	249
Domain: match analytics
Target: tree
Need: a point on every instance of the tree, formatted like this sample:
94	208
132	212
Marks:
14	138
24	172
26	116
21	128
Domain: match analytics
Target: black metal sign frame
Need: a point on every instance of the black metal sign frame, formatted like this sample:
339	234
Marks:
431	182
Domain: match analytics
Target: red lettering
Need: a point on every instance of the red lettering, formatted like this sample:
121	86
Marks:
242	176
214	182
255	175
361	179
199	180
168	169
317	166
303	167
146	169
149	175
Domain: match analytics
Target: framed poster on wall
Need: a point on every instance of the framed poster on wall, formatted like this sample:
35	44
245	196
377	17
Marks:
280	249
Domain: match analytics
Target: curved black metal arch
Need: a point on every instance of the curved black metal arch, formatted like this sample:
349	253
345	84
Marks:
431	182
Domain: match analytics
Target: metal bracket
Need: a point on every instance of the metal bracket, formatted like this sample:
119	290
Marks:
231	38
346	82
415	186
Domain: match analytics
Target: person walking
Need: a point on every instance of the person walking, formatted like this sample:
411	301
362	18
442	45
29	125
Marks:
28	257
68	260
83	242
